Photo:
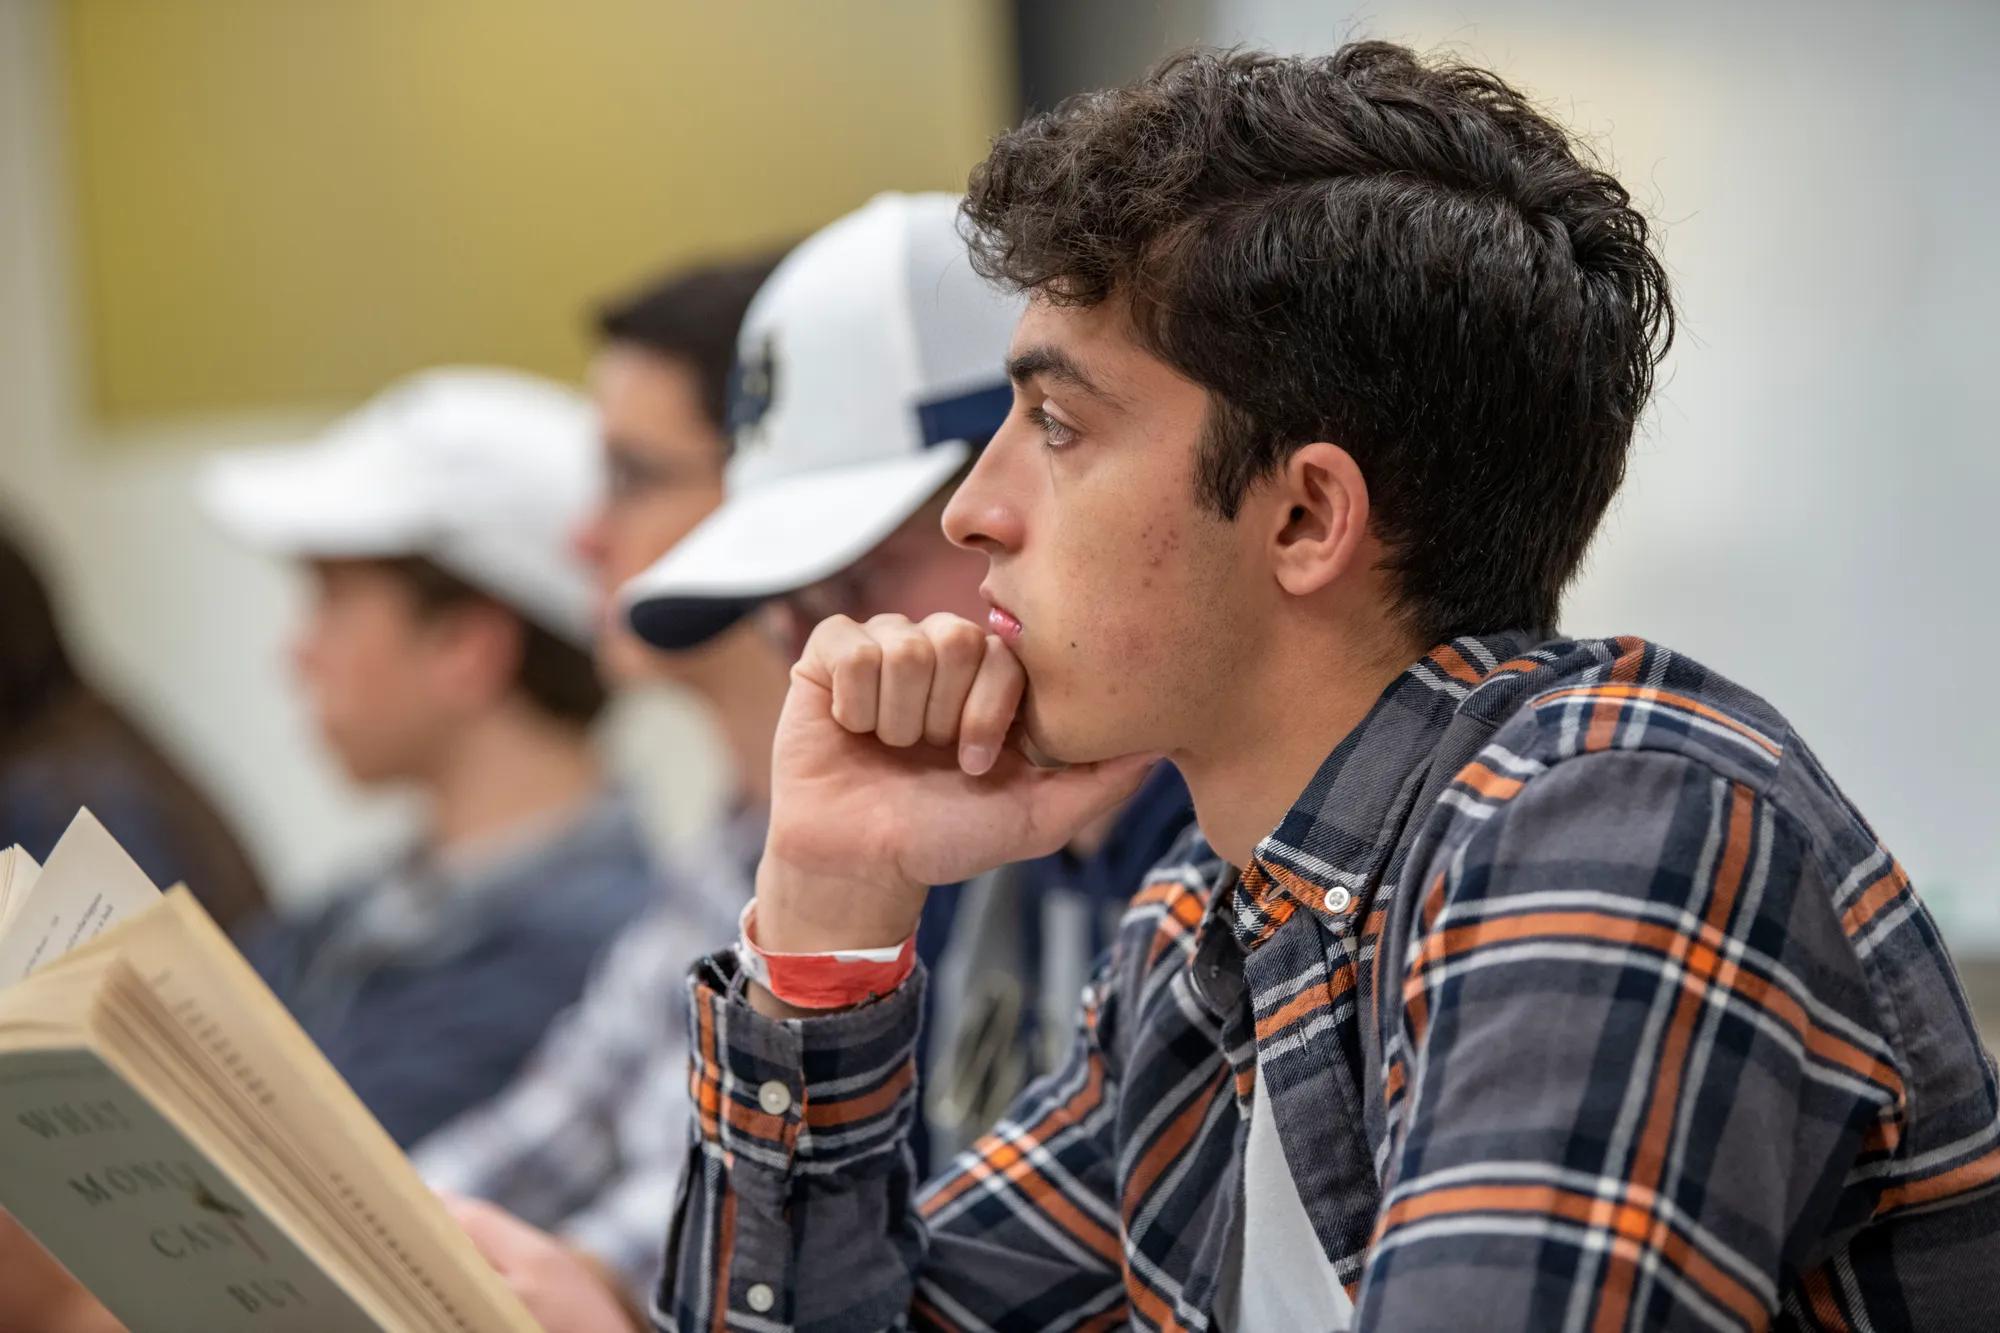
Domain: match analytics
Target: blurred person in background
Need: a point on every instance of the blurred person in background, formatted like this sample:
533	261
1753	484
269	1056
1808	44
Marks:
588	1141
446	651
64	745
868	378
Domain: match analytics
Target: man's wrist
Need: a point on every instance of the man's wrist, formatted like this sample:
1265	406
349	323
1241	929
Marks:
801	911
802	984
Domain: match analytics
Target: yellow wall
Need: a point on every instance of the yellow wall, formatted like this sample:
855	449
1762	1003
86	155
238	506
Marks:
287	201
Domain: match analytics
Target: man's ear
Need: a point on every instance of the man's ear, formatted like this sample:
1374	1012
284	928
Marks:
479	649
1319	506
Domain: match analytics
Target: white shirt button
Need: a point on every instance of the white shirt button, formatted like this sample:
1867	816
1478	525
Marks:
761	1297
775	1098
1338	899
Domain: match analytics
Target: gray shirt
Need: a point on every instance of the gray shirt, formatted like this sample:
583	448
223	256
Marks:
427	983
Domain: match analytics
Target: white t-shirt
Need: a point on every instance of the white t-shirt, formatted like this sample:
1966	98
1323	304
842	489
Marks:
1288	1284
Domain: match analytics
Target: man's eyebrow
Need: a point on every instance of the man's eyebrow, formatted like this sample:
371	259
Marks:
1053	363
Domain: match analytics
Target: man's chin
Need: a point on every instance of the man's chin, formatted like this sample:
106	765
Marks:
1085	735
1048	743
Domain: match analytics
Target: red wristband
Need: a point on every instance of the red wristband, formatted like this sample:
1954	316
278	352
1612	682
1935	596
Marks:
837	980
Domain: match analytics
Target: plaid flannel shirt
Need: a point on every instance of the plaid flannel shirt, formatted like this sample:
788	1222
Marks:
1584	999
589	1139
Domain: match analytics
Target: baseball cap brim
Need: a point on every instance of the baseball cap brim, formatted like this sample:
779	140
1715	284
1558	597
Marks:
308	501
777	538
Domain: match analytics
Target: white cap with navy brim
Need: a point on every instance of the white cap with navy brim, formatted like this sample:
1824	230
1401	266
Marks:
869	370
485	472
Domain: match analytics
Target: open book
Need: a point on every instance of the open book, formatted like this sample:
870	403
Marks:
169	1133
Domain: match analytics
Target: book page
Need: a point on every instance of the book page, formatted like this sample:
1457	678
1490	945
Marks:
88	885
138	1214
17	875
184	1079
306	1111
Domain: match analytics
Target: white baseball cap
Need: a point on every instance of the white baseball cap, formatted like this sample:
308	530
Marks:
485	472
869	371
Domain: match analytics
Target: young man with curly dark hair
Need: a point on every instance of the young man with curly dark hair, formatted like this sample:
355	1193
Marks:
1512	982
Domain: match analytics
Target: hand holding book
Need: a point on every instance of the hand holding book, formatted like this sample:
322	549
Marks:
565	1289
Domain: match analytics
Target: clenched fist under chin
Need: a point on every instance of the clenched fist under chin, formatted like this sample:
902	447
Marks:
892	771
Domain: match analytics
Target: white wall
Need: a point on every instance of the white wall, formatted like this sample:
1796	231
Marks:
1813	506
186	628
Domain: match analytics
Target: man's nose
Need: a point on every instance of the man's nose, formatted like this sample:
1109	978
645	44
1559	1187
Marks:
984	513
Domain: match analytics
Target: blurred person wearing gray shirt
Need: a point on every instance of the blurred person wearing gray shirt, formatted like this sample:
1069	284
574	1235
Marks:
447	650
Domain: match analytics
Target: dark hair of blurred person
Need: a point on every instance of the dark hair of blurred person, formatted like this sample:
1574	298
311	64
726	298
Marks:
398	654
689	319
558	678
660	381
65	744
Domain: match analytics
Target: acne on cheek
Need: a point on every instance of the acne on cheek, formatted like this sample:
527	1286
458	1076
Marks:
1135	638
1156	544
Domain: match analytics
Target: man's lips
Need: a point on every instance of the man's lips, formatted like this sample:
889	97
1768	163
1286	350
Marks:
1004	623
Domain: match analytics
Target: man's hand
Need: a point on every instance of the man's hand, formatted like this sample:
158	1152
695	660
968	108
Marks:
38	1293
562	1288
892	771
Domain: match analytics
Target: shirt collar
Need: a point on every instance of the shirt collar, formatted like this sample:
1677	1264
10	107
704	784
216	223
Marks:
1330	847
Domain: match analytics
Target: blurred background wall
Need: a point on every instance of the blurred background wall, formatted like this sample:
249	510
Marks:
222	221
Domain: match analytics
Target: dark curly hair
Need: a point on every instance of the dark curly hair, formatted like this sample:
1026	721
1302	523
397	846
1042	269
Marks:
1398	255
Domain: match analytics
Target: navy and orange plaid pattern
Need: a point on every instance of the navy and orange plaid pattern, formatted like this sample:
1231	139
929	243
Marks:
1584	1002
